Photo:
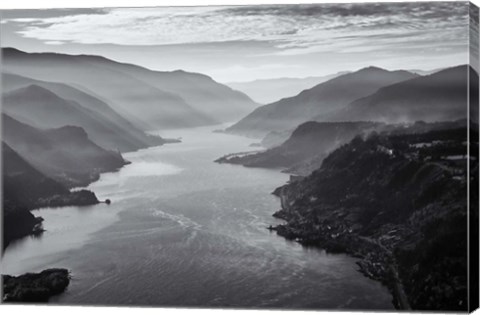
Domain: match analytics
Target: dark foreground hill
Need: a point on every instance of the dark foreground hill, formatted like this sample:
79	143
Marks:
65	154
399	204
304	150
25	188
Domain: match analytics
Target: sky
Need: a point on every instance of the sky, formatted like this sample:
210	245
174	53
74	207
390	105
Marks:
245	43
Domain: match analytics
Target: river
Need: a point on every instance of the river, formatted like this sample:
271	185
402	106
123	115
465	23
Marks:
184	231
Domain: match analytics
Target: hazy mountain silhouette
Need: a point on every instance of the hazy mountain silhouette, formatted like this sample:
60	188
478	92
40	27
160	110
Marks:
42	108
105	126
425	72
323	98
200	91
308	145
145	97
64	154
23	184
437	97
267	91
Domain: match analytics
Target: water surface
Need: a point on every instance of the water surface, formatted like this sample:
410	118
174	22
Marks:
184	231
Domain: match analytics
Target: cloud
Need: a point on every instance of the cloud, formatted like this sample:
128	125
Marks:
293	29
54	42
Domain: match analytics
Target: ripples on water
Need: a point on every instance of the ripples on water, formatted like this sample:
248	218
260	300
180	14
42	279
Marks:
184	231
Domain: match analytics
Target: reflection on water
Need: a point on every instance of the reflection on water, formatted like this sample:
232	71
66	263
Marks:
182	230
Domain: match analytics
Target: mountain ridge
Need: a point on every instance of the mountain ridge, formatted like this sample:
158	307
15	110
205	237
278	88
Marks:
435	97
64	154
157	110
40	107
124	135
180	98
266	91
325	97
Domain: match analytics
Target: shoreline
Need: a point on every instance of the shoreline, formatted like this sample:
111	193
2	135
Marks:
299	254
79	195
375	262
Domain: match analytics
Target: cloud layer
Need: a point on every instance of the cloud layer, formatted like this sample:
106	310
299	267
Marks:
293	29
242	43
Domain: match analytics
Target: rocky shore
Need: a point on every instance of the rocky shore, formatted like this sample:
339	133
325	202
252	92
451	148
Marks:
398	207
35	287
376	261
25	189
75	198
21	222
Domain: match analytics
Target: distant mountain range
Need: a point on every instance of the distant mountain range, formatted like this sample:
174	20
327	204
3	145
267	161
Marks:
437	97
270	90
50	105
65	120
425	72
149	99
322	99
213	99
42	108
